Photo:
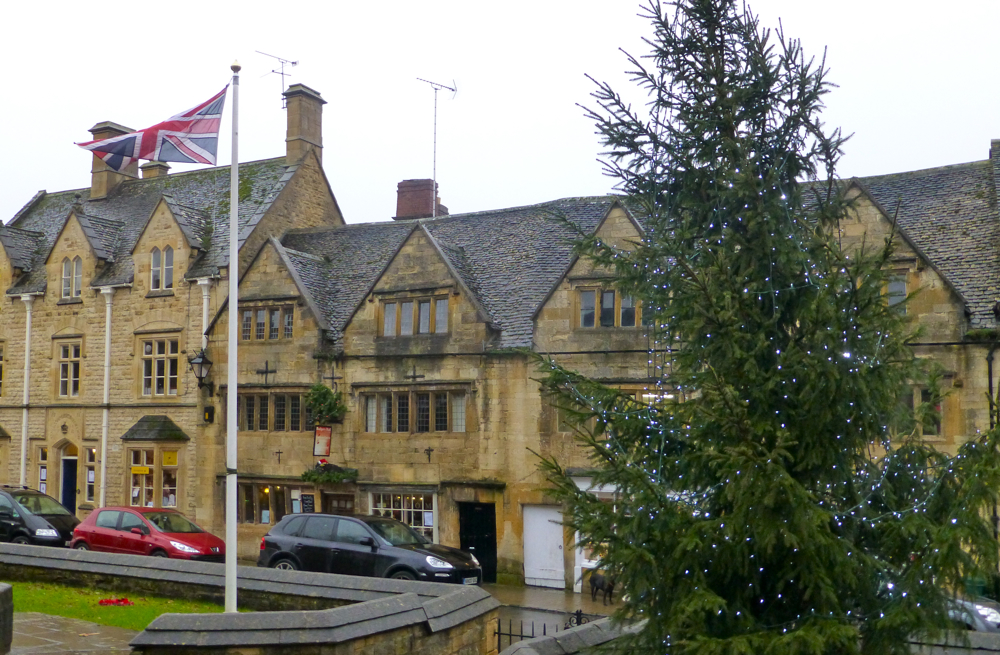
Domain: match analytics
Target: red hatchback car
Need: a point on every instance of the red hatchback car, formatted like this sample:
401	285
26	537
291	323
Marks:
147	531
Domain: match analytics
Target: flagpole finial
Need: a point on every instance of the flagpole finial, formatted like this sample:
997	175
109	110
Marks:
236	67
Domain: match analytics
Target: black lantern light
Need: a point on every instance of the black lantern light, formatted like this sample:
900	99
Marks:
201	366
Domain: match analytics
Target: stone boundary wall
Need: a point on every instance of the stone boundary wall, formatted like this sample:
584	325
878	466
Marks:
6	618
323	612
586	638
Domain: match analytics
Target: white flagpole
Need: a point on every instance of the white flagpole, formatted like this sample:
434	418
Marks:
231	423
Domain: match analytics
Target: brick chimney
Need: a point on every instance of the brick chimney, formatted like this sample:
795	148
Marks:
414	198
305	123
154	169
103	178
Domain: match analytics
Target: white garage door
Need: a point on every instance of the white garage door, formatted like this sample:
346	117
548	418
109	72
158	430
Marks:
543	546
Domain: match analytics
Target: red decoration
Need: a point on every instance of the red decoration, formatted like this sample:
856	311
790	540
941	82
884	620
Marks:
115	601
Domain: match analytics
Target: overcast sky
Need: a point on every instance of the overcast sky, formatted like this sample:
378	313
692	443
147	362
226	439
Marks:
916	86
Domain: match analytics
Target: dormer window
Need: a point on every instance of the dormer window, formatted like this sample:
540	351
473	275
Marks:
72	277
405	318
161	269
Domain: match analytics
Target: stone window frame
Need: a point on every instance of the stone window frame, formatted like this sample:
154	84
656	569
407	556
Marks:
639	318
43	468
155	479
639	391
921	394
166	357
72	278
161	269
390	311
251	329
896	288
65	359
2	344
375	404
269	398
90	473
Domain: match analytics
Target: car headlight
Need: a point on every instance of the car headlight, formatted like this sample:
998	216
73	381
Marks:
46	532
184	548
988	613
438	563
475	561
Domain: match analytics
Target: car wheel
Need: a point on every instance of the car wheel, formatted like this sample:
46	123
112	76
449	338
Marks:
285	565
158	553
81	545
20	539
403	575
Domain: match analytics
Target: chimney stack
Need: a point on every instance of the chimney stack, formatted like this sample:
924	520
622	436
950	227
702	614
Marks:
103	178
154	169
305	123
415	198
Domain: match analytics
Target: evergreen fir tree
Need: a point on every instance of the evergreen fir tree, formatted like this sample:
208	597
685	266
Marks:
766	502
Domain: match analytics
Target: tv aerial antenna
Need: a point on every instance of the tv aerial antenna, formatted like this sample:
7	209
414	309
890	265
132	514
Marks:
454	91
281	63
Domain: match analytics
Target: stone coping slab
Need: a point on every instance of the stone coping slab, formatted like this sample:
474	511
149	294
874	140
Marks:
358	606
578	639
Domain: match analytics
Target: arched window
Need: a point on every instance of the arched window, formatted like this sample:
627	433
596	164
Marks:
168	268
154	269
77	276
67	278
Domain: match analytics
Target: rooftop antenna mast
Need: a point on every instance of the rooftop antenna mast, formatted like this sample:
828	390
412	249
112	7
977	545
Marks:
437	87
281	72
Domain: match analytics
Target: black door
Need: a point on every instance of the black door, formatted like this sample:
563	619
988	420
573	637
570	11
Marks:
69	484
477	534
312	546
349	556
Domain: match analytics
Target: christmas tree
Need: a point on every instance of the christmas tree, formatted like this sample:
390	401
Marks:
770	496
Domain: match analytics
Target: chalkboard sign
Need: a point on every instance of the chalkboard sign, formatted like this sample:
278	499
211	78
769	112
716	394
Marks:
308	503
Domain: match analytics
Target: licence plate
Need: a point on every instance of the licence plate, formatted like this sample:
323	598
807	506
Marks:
470	580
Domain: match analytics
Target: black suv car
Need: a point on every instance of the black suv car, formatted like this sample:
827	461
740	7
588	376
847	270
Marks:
363	545
30	517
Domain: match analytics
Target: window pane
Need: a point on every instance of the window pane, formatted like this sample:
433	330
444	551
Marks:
247	324
248	497
147	377
628	312
168	268
67	279
897	291
263	406
458	412
261	323
160	376
647	313
77	276
75	382
279	412
587	303
406	319
403	413
371	411
251	418
608	309
424	313
275	324
169	488
441	412
385	412
154	269
264	504
423	412
389	319
294	414
441	315
289	314
172	376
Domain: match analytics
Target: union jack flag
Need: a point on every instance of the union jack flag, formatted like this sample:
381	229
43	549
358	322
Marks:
191	137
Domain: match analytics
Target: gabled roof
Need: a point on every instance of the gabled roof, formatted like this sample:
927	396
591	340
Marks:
200	200
23	247
950	215
155	428
507	259
103	234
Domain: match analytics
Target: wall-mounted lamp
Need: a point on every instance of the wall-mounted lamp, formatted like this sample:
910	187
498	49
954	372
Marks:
201	366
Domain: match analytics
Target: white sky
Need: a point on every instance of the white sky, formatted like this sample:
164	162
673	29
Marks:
916	86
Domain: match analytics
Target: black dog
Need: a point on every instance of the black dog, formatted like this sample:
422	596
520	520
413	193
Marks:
599	583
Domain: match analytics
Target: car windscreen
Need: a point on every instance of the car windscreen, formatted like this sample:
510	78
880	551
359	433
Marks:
39	504
396	533
171	522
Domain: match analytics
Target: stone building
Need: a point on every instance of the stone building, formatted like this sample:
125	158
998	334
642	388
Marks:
424	323
108	293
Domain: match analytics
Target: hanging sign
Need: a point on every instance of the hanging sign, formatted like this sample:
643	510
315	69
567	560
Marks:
321	443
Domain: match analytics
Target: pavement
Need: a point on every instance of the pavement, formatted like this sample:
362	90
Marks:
525	611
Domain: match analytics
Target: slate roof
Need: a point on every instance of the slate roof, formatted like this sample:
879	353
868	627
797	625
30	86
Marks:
950	215
155	428
510	259
199	199
23	247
